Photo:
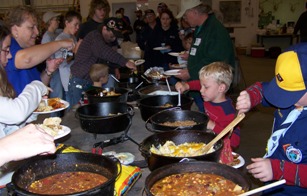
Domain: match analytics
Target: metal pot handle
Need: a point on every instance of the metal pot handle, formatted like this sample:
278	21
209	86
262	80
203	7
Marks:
148	121
76	115
130	110
10	189
145	152
184	160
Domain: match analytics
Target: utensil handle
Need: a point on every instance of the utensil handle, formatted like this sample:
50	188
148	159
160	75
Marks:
257	190
224	132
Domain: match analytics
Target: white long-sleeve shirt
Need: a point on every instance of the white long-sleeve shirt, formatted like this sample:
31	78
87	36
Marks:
15	112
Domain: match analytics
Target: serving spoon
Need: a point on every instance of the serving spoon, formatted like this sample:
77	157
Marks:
224	132
179	99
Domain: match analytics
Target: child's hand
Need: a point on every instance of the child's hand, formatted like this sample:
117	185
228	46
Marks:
243	102
181	87
261	169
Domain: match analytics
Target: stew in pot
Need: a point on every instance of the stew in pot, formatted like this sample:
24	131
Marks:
67	183
195	184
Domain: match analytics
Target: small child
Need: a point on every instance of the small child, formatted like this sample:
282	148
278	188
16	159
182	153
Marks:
99	74
214	81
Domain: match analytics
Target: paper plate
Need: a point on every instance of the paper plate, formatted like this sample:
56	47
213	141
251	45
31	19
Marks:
66	131
240	158
174	53
178	66
172	72
160	48
66	105
125	157
139	62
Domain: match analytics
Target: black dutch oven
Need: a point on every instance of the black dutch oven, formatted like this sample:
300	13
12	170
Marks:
43	166
105	117
155	161
155	122
96	95
227	172
154	104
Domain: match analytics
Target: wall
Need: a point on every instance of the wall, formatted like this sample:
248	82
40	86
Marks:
292	8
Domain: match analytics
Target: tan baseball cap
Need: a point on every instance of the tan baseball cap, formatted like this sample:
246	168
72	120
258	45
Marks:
48	15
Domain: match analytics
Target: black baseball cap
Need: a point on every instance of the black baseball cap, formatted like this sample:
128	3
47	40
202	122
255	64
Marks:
115	25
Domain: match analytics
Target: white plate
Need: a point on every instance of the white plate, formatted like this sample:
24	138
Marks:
125	157
160	48
172	72
66	131
66	105
242	161
139	62
177	66
174	53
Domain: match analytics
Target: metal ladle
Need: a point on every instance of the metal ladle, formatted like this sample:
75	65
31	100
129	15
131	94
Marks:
179	99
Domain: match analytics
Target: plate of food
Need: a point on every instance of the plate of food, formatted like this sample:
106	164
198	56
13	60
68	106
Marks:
51	105
172	72
160	48
139	62
178	66
53	127
125	158
238	160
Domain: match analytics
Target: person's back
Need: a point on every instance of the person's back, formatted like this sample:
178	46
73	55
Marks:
301	26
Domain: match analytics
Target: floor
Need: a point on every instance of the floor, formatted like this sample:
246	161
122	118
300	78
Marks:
255	128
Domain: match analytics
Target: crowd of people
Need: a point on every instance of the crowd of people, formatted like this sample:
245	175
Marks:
83	56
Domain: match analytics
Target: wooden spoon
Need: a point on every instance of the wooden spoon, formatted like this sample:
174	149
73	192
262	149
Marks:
223	133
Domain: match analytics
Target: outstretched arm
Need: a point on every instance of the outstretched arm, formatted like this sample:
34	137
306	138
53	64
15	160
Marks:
24	143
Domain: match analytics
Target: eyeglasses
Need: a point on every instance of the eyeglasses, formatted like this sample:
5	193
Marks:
6	52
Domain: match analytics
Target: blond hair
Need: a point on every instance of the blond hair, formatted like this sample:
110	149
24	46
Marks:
98	71
220	71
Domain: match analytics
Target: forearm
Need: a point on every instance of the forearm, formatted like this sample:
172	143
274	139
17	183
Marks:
255	94
4	153
294	174
30	57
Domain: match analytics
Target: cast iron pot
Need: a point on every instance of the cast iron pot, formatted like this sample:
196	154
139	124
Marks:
155	122
43	166
227	172
153	104
96	95
96	118
155	161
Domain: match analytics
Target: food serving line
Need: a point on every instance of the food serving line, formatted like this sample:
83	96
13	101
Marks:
123	130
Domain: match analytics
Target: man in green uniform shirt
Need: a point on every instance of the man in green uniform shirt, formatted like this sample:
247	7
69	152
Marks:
211	43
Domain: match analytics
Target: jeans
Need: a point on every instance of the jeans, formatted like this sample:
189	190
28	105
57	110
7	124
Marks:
56	86
75	88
